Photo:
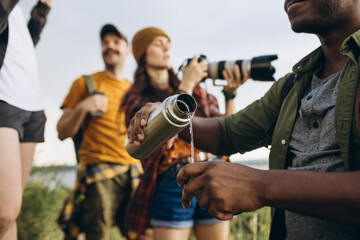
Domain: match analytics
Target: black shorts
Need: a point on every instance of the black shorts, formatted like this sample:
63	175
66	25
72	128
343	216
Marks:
30	125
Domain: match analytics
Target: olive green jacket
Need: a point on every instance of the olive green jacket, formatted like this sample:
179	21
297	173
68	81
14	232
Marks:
246	130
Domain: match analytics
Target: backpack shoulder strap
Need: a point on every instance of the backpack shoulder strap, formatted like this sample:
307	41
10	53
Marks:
90	84
357	108
289	84
77	139
287	87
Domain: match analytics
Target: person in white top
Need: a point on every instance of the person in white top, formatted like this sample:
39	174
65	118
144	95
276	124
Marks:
22	118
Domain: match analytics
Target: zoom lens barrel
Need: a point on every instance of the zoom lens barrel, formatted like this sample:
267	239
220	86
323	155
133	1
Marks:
259	68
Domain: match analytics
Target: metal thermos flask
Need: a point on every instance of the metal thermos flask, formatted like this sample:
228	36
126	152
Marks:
167	120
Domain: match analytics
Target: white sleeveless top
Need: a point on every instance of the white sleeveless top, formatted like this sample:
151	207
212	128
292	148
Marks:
19	82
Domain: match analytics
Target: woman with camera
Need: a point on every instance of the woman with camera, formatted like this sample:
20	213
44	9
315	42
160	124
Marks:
157	201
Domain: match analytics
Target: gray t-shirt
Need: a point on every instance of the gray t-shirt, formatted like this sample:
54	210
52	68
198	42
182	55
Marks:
314	147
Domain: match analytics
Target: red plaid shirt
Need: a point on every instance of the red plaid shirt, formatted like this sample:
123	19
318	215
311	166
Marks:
138	214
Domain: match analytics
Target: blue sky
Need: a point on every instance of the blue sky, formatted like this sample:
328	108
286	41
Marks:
222	30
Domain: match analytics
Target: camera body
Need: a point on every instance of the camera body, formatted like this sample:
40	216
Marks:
258	68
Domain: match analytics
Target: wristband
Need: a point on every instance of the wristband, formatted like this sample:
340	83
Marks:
229	95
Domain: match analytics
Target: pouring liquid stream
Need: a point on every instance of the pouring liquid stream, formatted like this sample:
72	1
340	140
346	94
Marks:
192	136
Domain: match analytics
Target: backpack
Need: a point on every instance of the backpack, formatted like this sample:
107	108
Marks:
77	139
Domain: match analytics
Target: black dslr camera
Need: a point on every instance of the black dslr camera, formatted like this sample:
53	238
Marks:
259	68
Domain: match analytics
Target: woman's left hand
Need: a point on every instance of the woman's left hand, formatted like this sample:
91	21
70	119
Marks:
234	78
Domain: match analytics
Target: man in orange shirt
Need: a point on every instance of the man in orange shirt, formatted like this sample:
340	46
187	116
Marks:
105	169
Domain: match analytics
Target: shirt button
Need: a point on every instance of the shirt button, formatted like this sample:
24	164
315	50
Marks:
309	97
315	124
283	142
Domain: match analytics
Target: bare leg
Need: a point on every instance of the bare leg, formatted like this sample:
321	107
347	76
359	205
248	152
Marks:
10	181
171	233
219	231
27	151
24	153
11	234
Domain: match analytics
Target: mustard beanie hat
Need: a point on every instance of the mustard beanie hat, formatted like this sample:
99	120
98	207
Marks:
143	38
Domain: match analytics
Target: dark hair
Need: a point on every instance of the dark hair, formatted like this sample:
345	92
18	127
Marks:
143	87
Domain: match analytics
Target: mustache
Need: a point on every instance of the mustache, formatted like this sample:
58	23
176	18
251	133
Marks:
108	51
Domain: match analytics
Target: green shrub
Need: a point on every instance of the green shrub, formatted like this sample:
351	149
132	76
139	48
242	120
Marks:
251	225
42	202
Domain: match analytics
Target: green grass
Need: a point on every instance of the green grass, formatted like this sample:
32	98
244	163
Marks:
44	197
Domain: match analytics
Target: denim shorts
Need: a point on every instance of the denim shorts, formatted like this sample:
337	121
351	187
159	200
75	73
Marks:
30	125
167	210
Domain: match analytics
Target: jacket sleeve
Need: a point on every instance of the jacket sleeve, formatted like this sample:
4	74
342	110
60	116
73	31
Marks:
246	130
37	21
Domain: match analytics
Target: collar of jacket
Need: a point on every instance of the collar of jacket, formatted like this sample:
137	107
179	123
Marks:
350	47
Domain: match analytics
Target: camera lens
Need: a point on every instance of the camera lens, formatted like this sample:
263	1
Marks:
259	68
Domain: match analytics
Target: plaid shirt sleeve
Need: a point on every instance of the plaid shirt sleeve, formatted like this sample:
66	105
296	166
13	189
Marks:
207	105
132	104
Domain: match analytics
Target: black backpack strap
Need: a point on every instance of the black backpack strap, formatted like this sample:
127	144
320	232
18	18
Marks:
289	84
278	228
357	108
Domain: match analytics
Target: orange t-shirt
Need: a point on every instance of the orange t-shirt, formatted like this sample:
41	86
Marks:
103	138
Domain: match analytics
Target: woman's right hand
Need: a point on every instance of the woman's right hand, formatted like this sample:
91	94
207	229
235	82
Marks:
193	73
135	129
